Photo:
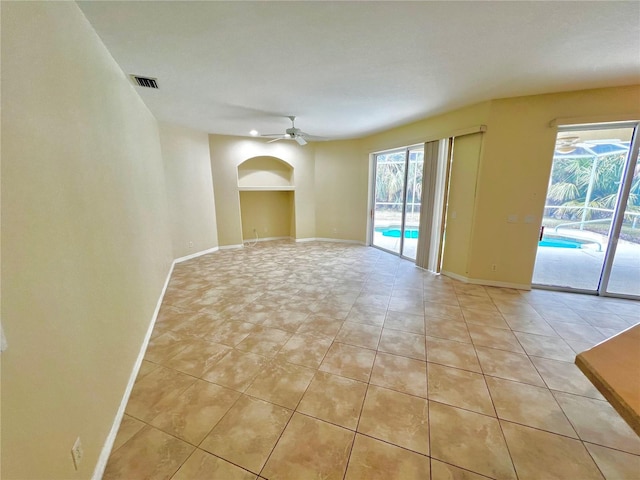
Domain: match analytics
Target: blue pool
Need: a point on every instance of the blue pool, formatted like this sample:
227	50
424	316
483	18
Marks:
394	232
557	241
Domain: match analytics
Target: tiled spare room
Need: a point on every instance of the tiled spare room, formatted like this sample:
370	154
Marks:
325	360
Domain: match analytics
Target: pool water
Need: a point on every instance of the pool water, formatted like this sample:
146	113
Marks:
395	233
563	242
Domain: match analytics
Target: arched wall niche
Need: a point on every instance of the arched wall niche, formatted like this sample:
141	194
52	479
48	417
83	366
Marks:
267	200
265	173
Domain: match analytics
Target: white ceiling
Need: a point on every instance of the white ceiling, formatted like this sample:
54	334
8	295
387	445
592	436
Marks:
348	69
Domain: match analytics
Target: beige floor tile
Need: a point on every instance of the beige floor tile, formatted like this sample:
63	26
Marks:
484	317
528	325
372	459
412	306
396	418
310	448
405	322
373	300
477	303
459	388
528	405
203	466
537	454
443	297
360	335
398	373
444	471
321	325
469	440
349	361
565	377
194	413
306	350
614	464
452	354
366	315
236	370
149	454
165	346
198	357
281	383
307	290
403	343
129	426
334	399
597	422
289	321
152	393
146	367
553	348
231	333
198	326
494	338
509	365
264	341
447	328
433	309
248	432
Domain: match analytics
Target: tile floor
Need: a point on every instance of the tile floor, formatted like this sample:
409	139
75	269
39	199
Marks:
335	361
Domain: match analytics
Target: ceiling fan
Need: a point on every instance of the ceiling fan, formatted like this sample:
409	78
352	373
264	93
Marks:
291	133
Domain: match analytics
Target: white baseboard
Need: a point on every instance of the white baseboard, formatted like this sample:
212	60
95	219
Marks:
108	444
336	240
265	239
488	283
230	247
194	255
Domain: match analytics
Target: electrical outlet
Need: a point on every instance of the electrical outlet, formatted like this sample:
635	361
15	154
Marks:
494	267
190	244
77	453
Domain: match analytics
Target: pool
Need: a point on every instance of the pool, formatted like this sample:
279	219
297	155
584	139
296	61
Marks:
557	241
394	232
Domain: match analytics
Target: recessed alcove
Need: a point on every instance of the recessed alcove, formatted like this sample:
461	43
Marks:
265	173
267	199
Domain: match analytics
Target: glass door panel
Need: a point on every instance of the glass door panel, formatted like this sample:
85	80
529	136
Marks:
625	270
588	168
388	205
412	202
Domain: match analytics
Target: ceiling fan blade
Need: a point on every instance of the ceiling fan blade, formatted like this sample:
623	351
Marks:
275	140
300	140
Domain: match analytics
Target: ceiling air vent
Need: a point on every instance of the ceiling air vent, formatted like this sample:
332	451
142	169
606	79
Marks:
146	82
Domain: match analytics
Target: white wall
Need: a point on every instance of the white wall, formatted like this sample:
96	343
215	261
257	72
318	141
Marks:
86	242
187	166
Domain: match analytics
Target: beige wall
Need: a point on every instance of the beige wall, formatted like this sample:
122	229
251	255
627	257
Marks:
341	174
269	213
86	243
187	166
228	152
515	170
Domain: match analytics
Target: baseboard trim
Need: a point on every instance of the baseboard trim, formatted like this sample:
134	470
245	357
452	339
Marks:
488	283
111	438
194	255
230	247
335	240
265	239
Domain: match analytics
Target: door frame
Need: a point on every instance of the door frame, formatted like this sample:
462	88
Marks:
619	210
372	196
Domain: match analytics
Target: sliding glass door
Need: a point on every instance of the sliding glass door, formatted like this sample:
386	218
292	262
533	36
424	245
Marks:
591	238
397	195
